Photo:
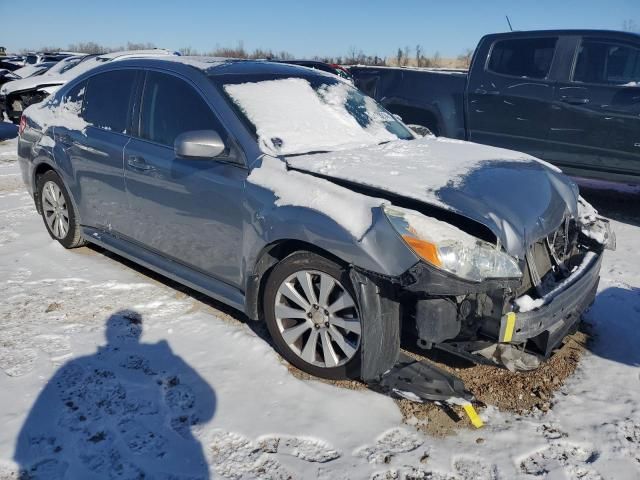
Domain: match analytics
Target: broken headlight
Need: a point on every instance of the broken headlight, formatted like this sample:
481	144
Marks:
449	248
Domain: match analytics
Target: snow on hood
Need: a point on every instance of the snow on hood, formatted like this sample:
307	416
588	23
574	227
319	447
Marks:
518	197
351	210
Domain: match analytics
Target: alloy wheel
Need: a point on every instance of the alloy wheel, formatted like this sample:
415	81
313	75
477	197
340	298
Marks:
56	211
318	318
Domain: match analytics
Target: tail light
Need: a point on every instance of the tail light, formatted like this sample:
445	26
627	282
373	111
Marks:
23	124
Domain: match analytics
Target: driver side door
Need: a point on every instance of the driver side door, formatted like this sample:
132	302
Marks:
189	210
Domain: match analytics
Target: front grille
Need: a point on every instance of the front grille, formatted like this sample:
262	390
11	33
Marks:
549	259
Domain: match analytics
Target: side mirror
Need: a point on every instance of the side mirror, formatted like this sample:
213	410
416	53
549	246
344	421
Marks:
205	144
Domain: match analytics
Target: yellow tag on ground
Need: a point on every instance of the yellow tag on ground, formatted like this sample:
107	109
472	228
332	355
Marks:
473	415
509	327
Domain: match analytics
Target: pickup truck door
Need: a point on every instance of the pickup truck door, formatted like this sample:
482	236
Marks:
188	209
509	94
595	126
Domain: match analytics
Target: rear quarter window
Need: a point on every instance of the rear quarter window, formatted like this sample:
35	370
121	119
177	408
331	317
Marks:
523	57
108	100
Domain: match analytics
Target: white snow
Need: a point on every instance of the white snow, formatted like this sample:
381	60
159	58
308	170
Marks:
265	423
55	112
304	119
525	303
592	225
349	209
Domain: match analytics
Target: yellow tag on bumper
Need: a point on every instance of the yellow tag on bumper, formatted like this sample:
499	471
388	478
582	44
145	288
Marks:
473	415
508	326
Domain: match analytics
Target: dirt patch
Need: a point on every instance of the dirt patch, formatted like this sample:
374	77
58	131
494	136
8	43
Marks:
518	392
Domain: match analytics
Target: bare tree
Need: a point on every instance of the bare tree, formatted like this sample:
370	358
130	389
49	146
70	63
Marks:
630	25
418	55
188	51
464	59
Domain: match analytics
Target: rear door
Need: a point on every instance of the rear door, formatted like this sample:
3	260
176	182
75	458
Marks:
190	210
510	93
595	127
92	137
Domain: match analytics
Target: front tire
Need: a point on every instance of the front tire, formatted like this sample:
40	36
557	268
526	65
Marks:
313	317
58	213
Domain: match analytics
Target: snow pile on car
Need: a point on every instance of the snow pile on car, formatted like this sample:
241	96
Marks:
349	209
314	120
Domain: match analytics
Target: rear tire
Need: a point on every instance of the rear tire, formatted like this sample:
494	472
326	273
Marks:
312	314
57	209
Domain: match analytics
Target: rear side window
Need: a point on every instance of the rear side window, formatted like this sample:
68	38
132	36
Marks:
170	106
523	57
607	63
108	100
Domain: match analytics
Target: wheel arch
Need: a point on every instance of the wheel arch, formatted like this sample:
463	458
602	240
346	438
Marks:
268	257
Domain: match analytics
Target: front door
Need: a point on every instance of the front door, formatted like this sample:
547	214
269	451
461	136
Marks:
509	97
190	210
595	128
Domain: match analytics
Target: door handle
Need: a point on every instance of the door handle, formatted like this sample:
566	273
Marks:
482	91
137	162
575	100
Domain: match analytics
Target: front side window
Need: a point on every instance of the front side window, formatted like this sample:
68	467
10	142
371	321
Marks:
607	63
302	114
170	106
523	57
108	100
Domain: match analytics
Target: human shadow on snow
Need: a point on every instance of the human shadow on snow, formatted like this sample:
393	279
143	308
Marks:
126	411
615	320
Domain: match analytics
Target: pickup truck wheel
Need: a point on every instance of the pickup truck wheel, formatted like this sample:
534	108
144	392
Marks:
57	211
313	317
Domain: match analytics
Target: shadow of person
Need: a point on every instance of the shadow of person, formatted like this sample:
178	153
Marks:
615	317
125	412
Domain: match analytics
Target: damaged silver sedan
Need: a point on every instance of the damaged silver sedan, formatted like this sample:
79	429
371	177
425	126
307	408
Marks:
288	194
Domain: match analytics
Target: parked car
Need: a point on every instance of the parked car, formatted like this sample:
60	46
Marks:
286	193
34	58
9	63
571	97
17	95
7	76
322	66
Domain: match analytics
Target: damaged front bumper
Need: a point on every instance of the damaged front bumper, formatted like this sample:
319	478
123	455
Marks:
481	321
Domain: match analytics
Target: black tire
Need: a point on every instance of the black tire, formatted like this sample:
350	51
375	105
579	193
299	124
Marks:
288	266
73	237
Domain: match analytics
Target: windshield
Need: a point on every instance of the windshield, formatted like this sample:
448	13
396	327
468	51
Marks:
83	66
302	114
64	65
29	71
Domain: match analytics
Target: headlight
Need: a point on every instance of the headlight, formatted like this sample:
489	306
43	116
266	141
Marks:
449	248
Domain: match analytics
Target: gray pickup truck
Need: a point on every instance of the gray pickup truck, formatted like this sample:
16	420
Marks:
571	97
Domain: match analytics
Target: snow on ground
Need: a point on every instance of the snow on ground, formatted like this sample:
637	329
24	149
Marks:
106	372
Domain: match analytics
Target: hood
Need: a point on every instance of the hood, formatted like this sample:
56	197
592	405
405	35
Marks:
518	197
31	83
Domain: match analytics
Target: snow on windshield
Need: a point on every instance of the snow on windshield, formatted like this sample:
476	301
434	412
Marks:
291	116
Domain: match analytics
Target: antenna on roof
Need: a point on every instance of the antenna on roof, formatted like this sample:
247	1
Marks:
509	22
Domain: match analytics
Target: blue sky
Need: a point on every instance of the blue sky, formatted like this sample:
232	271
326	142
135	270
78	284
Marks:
303	28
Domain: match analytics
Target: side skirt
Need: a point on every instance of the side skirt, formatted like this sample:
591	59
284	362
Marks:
168	268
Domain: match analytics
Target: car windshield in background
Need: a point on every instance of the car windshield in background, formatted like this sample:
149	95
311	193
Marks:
294	115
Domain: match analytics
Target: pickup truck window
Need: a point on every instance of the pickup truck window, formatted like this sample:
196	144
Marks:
607	63
523	57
